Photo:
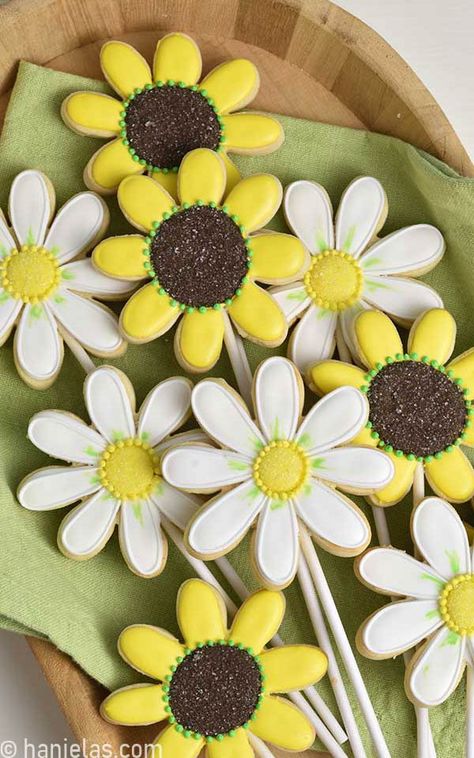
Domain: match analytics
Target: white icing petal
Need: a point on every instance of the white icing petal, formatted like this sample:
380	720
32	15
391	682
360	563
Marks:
278	398
332	517
57	486
335	419
360	469
7	243
470	649
308	211
223	416
403	298
194	436
109	404
437	671
86	529
400	626
93	325
9	310
441	537
221	524
30	207
81	276
292	299
276	544
314	338
359	215
38	345
200	468
77	226
346	320
62	435
165	409
178	506
413	249
141	539
397	573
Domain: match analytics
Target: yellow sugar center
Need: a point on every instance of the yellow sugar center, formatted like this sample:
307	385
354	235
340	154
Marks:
334	280
281	469
456	604
129	469
30	274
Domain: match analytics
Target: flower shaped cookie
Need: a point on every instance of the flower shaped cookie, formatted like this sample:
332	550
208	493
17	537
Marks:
41	290
202	259
349	271
420	409
115	471
278	469
218	685
439	603
163	115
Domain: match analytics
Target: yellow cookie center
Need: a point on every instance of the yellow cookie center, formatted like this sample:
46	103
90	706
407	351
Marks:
456	604
129	469
30	274
281	469
334	280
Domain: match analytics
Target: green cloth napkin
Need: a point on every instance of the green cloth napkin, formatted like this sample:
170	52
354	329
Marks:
82	607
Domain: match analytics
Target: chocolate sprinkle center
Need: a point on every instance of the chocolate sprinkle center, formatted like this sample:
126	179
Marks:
215	689
199	256
165	123
416	408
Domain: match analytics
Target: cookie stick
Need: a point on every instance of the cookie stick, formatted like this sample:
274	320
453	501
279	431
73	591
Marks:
81	356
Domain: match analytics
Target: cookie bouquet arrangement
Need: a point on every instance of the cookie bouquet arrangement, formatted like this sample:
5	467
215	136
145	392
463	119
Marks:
355	409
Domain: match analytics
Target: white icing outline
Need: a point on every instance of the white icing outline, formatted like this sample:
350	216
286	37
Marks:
110	403
278	398
302	200
270	554
403	298
96	507
179	507
41	333
389	247
89	280
204	469
142	543
353	478
424	666
77	225
169	403
373	215
31	205
335	419
44	432
388	621
314	337
381	569
82	310
39	491
437	529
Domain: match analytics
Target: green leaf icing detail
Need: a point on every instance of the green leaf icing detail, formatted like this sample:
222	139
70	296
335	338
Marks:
371	262
454	562
68	275
237	465
253	493
304	440
95	479
276	431
321	242
322	313
118	436
257	444
307	489
431	578
30	238
159	489
298	295
137	512
55	250
59	299
36	311
277	504
318	463
89	450
432	614
451	639
3	251
145	436
373	286
349	238
107	496
4	296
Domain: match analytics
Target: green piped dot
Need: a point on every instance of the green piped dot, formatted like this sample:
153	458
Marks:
201	644
410	457
182	306
149	86
174	169
168	678
165	699
190	309
406	356
367	377
200	202
369	424
219	737
425	359
246	725
165	170
196	736
172	720
142	162
442	369
379	366
168	709
438	455
225	209
389	448
434	363
250	651
420	459
381	443
375	435
414	356
170	82
238	292
364	388
457	442
194	88
399	453
162	291
187	733
428	458
217	306
203	92
389	359
372	373
235	218
125	142
202	309
450	373
449	449
232	733
181	84
153	233
465	391
166	215
228	301
179	728
173	303
209	738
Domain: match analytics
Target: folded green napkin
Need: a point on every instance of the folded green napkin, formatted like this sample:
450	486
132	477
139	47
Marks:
82	607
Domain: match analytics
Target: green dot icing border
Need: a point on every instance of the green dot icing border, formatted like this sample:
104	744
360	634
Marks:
189	734
442	369
169	83
148	265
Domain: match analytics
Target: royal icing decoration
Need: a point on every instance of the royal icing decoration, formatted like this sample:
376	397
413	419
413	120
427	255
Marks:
420	405
439	603
116	470
40	286
278	469
202	259
165	114
217	685
348	272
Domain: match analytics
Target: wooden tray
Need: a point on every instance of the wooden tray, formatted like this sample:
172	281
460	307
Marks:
316	61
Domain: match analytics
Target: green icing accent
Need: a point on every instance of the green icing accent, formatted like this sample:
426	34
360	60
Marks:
451	639
95	479
257	444
145	436
317	463
431	578
304	440
253	493
276	432
59	299
67	275
321	242
372	262
372	286
346	245
159	489
322	313
36	311
299	296
454	562
277	504
118	436
30	239
307	489
3	251
137	512
55	251
4	296
107	496
432	614
91	451
237	465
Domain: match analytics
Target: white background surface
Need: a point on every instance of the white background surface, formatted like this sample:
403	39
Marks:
435	38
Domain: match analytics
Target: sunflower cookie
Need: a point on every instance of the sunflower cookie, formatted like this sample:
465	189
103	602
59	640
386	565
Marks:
420	408
163	115
115	471
218	686
277	470
202	258
348	271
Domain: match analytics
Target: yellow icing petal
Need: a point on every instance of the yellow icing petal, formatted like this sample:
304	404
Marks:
109	165
400	484
278	258
232	85
377	337
237	746
252	133
168	181
327	376
201	177
147	315
451	476
124	68
233	173
258	619
177	57
463	367
121	257
172	744
92	113
433	334
143	201
199	339
258	317
149	650
255	201
135	706
201	613
364	438
282	724
293	667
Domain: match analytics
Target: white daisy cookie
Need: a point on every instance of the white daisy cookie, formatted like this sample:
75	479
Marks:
116	469
350	269
277	470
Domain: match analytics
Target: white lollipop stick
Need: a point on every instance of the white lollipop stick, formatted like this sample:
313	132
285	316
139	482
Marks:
81	356
470	712
260	748
238	359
